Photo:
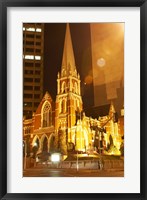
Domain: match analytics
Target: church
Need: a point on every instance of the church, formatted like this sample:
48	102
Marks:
64	125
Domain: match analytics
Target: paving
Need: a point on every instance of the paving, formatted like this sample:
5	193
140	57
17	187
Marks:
46	172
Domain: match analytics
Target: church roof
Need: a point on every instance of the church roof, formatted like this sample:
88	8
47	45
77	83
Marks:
98	111
68	60
47	96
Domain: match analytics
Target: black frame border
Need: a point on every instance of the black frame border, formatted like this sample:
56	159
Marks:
4	4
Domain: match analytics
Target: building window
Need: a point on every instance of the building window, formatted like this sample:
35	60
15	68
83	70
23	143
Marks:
29	35
29	50
36	96
37	57
63	87
37	80
28	87
28	64
37	72
37	65
38	43
29	43
76	88
38	30
63	106
28	72
30	29
38	50
36	104
37	87
30	57
27	95
27	104
28	79
38	36
46	114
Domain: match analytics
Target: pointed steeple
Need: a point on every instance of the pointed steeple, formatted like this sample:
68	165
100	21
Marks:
68	60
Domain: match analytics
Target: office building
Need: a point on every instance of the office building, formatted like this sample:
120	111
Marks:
33	50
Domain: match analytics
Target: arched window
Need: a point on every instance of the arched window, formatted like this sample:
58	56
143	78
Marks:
46	115
76	88
63	87
63	106
76	104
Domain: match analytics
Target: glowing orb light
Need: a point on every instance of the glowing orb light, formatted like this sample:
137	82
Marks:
101	62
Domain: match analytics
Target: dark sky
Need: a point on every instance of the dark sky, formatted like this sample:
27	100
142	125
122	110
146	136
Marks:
105	41
53	50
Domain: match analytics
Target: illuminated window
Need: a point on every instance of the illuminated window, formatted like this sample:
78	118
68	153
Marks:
38	30
23	28
46	114
30	29
30	57
37	57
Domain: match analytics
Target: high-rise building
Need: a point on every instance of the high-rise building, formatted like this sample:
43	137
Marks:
33	48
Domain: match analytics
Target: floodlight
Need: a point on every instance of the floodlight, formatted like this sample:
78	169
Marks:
55	157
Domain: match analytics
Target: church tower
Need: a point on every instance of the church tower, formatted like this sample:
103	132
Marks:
68	99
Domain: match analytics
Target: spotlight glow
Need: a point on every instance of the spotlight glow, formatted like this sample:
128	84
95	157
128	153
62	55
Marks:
55	157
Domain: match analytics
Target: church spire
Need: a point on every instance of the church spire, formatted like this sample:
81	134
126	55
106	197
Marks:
68	60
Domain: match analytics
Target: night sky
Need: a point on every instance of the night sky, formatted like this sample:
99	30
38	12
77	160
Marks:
93	45
53	52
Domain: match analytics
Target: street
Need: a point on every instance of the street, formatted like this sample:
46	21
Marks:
46	172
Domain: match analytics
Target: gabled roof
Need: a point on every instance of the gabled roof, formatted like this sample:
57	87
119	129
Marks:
47	97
